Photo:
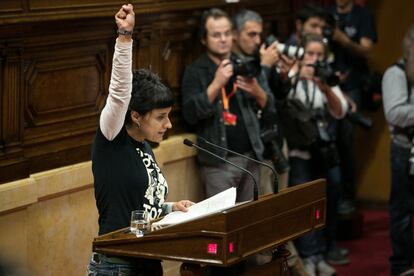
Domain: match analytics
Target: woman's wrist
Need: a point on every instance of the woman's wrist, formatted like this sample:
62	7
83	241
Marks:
124	35
124	32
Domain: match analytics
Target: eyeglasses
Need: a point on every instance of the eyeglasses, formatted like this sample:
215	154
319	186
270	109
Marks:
220	35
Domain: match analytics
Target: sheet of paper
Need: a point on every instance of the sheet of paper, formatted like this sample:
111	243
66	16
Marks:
220	201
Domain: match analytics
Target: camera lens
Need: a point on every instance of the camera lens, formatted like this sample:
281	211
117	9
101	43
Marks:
246	66
290	50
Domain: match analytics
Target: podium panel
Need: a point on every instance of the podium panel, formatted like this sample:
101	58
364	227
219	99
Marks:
227	237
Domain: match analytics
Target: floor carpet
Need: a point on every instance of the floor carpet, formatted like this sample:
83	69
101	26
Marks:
369	254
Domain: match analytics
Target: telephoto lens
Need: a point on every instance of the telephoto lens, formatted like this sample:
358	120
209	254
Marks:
288	50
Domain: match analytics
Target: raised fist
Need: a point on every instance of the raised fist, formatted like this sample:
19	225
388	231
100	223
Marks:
125	18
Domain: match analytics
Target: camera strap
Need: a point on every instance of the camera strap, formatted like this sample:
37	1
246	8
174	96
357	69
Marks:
228	117
309	102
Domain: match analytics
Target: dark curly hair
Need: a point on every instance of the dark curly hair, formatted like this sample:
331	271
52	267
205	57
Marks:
311	10
148	93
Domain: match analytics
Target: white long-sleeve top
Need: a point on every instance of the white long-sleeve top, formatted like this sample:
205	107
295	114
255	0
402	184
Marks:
120	88
320	98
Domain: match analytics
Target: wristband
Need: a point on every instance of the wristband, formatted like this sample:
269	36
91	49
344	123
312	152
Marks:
124	32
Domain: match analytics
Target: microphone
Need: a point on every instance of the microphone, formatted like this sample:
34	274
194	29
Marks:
276	181
255	189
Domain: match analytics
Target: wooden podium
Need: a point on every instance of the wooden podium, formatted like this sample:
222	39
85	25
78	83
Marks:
227	237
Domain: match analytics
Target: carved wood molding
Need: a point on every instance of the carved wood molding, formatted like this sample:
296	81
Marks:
24	11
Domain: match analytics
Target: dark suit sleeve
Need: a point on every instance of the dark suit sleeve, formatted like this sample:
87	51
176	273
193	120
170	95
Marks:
196	105
279	88
270	103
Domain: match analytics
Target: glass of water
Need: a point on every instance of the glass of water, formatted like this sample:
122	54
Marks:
139	222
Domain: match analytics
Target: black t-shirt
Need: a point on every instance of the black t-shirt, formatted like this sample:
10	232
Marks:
356	24
126	178
236	135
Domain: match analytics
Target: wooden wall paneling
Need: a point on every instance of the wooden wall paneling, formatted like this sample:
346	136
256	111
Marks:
179	46
13	164
65	82
11	6
12	93
2	113
277	16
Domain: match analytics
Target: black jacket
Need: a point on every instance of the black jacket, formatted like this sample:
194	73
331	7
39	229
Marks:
207	117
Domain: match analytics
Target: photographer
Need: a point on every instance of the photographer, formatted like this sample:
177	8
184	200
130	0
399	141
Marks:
318	98
277	59
353	38
220	98
248	27
398	99
276	66
311	20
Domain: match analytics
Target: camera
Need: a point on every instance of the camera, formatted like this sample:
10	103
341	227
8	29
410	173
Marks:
320	117
269	134
324	150
246	66
324	71
288	50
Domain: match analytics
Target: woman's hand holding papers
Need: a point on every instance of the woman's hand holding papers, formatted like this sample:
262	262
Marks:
182	205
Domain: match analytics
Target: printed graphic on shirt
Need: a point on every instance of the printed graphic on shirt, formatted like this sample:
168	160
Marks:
351	31
157	186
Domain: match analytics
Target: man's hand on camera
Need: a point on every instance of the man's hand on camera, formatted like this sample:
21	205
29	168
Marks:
323	86
307	72
252	87
221	77
223	73
285	64
269	56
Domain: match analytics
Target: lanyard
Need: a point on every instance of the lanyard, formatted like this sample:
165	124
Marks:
226	98
306	88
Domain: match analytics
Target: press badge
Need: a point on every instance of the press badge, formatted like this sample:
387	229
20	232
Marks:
229	118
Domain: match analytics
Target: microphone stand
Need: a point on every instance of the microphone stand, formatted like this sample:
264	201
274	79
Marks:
276	181
255	189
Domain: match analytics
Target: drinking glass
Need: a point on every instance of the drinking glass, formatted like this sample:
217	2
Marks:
139	222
